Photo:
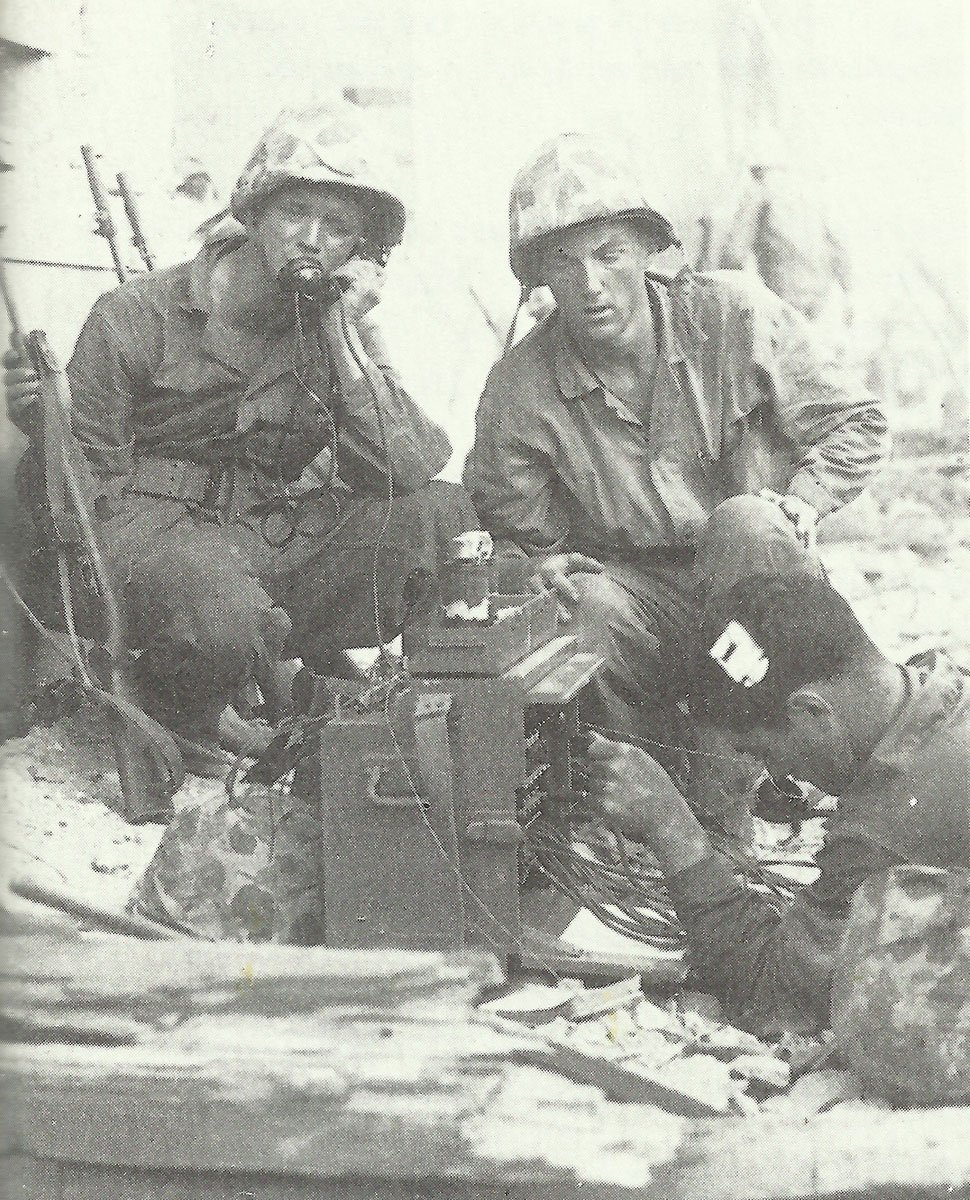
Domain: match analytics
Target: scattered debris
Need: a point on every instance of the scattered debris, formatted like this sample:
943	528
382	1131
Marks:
640	1051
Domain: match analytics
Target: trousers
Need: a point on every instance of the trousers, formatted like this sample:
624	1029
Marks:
640	615
206	602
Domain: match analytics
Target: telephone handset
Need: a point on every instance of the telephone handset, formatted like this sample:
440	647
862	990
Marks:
305	277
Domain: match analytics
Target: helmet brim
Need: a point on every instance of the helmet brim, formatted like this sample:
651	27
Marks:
523	258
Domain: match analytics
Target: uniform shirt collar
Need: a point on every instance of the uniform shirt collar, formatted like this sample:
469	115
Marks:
198	289
574	378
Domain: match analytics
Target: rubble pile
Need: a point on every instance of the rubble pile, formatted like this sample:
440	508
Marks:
677	1054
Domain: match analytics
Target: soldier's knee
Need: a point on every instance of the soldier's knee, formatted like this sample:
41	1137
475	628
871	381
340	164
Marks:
205	606
742	517
746	536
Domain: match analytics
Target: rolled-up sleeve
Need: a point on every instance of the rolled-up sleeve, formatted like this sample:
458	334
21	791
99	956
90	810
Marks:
512	481
383	429
839	431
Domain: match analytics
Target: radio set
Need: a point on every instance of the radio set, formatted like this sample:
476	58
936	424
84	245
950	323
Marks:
445	807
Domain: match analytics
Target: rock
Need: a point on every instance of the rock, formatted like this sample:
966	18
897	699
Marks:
649	1016
700	1078
856	522
595	1002
814	1093
535	1004
701	1003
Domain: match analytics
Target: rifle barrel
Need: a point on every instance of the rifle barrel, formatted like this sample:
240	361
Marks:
134	220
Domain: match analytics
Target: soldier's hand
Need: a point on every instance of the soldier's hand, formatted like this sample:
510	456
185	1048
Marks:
21	388
637	797
555	570
801	514
364	280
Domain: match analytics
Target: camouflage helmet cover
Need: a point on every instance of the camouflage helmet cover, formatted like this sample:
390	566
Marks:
570	181
320	144
901	990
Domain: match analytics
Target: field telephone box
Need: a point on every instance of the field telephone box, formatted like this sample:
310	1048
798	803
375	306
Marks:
427	804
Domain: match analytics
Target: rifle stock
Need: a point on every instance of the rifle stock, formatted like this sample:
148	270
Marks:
149	764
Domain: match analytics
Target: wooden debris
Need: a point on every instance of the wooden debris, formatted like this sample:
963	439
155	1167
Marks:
382	1081
532	1005
59	977
762	1069
814	1093
596	1002
700	1083
634	1050
380	1069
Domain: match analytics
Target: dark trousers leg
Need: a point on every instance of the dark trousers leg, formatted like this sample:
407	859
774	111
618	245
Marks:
325	576
194	610
636	615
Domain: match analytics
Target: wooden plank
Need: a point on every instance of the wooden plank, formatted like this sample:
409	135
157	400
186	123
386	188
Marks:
381	1072
26	1179
408	1114
99	916
156	983
343	1112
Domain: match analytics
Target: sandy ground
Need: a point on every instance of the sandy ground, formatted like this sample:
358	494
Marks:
902	558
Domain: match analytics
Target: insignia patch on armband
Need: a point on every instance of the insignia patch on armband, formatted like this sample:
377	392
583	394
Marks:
736	652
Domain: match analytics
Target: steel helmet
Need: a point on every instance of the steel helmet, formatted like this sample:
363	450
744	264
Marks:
901	987
321	144
571	180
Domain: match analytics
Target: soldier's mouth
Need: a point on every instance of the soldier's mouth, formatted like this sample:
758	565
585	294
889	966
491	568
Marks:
597	312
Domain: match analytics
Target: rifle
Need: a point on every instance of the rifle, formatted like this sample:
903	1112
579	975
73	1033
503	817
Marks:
104	222
150	766
134	220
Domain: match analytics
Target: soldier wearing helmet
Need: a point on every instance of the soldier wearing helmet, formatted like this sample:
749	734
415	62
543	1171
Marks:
877	945
607	437
207	396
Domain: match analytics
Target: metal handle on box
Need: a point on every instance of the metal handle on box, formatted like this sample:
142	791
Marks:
375	769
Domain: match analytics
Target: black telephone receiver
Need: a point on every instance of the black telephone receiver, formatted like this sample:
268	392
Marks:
305	277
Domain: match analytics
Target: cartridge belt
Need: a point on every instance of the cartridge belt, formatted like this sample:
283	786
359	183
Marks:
227	489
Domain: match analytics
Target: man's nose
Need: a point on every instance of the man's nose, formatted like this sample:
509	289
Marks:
313	235
591	277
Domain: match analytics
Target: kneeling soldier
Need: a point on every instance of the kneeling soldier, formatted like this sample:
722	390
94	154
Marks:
201	396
